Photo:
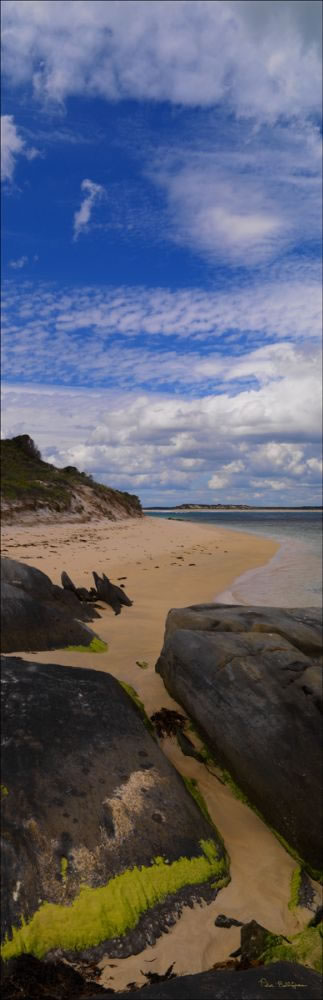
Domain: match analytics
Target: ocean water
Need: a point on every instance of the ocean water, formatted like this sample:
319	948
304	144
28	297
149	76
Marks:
293	577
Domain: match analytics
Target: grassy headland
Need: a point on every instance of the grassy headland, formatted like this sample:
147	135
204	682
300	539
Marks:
30	485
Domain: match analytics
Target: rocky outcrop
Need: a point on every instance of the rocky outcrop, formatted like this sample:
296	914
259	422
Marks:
49	981
102	843
250	679
36	614
36	491
301	627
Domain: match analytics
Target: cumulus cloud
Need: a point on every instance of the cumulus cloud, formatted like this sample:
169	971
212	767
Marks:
12	146
234	445
82	217
263	58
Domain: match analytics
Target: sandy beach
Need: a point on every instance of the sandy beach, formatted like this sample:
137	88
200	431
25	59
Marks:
165	564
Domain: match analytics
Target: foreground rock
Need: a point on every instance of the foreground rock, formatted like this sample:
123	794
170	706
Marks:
282	979
36	614
102	843
27	977
251	681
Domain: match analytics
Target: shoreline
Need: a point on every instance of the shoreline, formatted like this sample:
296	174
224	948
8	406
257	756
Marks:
164	565
161	563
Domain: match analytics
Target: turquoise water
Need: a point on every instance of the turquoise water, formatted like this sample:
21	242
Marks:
293	578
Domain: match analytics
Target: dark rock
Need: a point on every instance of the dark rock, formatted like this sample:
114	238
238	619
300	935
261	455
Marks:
254	940
306	893
80	805
110	593
300	626
318	917
278	980
81	592
255	698
36	614
67	583
223	921
27	978
187	747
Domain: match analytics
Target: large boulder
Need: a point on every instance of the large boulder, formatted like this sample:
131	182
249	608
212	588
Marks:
46	981
301	626
102	842
247	679
36	614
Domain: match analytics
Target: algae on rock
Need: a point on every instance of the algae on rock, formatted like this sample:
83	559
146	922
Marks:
97	914
304	948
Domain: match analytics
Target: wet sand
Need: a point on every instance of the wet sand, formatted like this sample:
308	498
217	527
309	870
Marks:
165	564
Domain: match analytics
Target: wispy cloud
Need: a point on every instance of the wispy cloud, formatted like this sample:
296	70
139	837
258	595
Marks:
93	192
19	263
243	195
13	145
65	332
263	58
223	416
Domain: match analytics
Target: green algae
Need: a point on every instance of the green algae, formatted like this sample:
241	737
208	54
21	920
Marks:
96	646
4	791
98	914
295	886
135	698
315	873
64	867
193	789
304	948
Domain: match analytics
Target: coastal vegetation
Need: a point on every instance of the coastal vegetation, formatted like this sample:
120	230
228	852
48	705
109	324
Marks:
29	485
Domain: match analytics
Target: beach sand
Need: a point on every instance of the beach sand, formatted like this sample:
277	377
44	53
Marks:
164	564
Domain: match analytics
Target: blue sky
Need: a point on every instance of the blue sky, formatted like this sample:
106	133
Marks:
161	184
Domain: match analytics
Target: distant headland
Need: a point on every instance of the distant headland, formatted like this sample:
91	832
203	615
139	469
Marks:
229	506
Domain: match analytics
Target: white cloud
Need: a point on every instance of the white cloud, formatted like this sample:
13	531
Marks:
243	194
19	263
43	327
12	146
219	480
93	192
146	442
315	465
263	60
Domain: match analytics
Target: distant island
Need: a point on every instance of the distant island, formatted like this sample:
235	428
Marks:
33	490
229	506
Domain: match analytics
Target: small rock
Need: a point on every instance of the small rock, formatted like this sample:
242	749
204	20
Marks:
223	921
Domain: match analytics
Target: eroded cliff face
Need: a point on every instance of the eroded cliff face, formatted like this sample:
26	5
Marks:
35	491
